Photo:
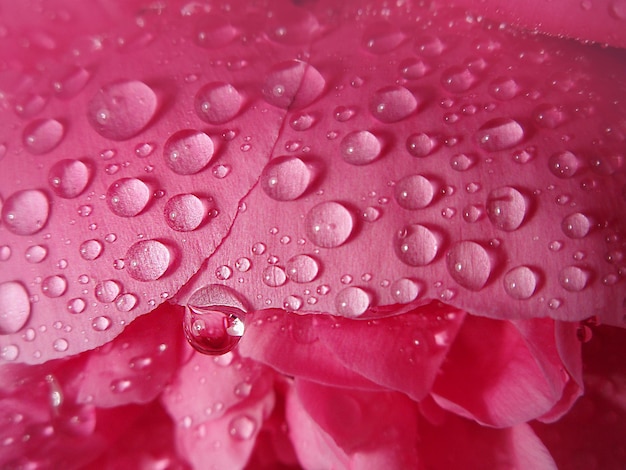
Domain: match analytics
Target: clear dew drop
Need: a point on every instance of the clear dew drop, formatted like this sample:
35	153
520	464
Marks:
126	302
420	145
90	249
218	102
506	208
302	268
147	260
343	113
469	264
574	278
14	307
128	197
213	31
352	302
242	428
60	345
121	110
371	214
42	135
549	116
188	151
185	212
223	273
292	303
472	213
392	104
71	82
286	178
258	248
301	121
416	245
243	264
381	37
503	88
101	323
499	134
10	352
413	68
576	225
5	252
329	224
520	282
68	178
360	147
274	276
107	291
36	254
405	290
214	320
564	164
429	46
76	305
462	162
293	84
54	286
458	79
414	192
26	212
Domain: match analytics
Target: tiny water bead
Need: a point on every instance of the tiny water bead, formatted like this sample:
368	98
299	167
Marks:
121	110
107	291
42	135
147	260
574	278
214	320
414	192
68	178
54	286
14	307
405	290
417	245
329	224
564	164
274	276
218	102
26	212
128	197
420	144
469	264
576	225
293	84
520	282
286	178
360	147
185	212
499	134
352	302
506	208
302	268
392	104
36	254
188	151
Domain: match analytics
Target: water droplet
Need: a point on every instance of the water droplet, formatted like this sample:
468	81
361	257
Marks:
352	302
413	68
520	282
469	265
54	286
381	37
564	164
462	162
360	147
242	428
147	260
554	303
429	46
126	302
121	110
576	225
371	214
70	82
329	224
573	278
218	102
101	323
292	303
420	144
414	192
343	113
90	250
68	178
36	254
274	276
499	134
188	151
42	135
242	264
458	79
302	268
416	245
472	213
405	290
185	212
301	121
549	116
617	9
392	104
10	352
504	88
121	385
214	320
14	307
128	197
506	208
258	248
60	345
5	252
107	291
26	212
293	84
223	273
76	305
286	178
214	31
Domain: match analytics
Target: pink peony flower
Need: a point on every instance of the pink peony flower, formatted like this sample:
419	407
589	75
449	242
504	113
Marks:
312	234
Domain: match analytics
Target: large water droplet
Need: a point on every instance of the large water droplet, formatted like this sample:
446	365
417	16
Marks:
42	135
218	102
36	254
127	197
147	260
417	245
414	192
188	151
185	212
14	307
68	178
506	208
329	224
274	276
520	282
420	144
214	320
392	103
405	290
352	302
121	110
286	178
90	249
458	79
564	164
574	278
360	147
107	291
469	265
54	286
293	84
26	212
576	225
302	268
499	134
